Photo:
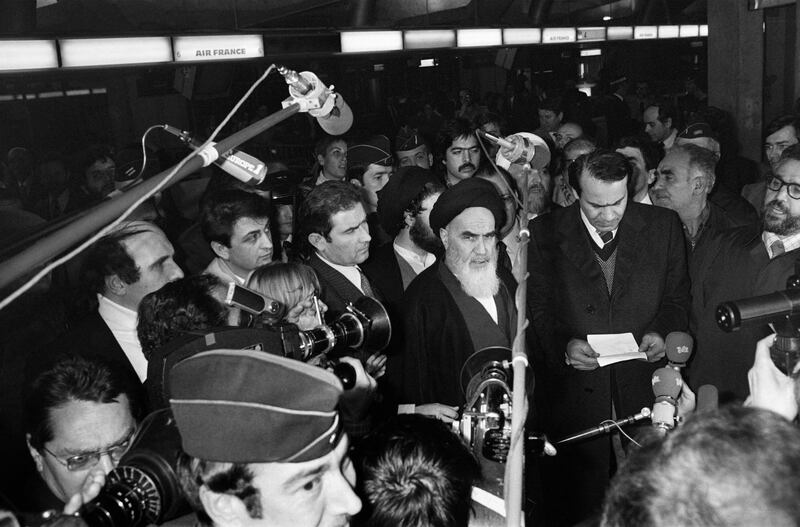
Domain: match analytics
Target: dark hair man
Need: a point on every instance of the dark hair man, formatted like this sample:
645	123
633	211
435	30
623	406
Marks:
411	149
736	466
606	265
660	123
563	193
566	133
417	473
457	306
370	169
333	227
96	170
746	262
121	268
458	149
79	416
779	134
236	225
278	455
643	155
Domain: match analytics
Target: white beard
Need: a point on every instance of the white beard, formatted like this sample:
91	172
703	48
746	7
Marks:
479	283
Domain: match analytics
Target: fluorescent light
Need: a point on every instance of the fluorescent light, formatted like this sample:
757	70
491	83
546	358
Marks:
556	35
517	36
669	31
472	38
363	41
606	18
645	32
689	31
427	63
50	94
4	98
585	34
27	54
83	52
619	33
595	52
217	47
704	30
99	91
429	38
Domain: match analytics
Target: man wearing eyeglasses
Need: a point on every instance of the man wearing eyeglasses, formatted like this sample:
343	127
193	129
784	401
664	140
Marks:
80	417
743	263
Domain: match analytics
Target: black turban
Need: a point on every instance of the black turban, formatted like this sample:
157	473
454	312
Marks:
472	192
394	198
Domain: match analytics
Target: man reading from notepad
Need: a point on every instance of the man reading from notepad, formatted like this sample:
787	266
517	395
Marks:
602	266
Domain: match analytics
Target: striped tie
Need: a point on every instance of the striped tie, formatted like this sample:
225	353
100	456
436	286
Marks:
606	236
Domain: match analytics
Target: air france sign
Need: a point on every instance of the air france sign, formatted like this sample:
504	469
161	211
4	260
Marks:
217	47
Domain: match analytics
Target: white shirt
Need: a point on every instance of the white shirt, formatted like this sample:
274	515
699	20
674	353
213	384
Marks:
593	232
670	140
122	323
418	263
351	272
488	303
220	268
790	242
646	199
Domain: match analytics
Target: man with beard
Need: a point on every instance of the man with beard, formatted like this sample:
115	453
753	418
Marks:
643	155
458	150
746	262
605	265
458	305
779	134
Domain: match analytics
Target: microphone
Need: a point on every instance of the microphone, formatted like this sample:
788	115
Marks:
679	349
605	427
332	113
520	148
667	384
707	398
243	167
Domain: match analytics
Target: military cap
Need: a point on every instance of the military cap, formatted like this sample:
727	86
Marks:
375	151
247	406
408	139
472	192
697	130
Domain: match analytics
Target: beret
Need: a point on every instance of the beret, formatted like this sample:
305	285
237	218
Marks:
471	192
394	198
248	406
375	151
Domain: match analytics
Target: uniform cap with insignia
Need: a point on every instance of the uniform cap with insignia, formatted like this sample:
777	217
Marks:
697	130
407	139
245	406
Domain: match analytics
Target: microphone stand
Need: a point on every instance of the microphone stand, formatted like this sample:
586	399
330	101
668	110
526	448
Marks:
519	359
104	213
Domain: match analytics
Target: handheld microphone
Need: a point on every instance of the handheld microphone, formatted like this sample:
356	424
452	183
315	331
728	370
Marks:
667	384
707	398
679	349
332	113
520	148
253	302
605	427
243	167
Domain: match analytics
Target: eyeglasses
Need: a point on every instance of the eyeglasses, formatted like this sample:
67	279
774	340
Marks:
83	461
776	184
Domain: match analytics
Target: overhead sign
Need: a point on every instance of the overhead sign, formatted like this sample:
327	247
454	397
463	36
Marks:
85	52
586	34
619	33
27	55
217	47
644	32
558	35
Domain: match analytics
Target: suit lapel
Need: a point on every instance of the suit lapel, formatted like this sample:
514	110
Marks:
341	286
575	244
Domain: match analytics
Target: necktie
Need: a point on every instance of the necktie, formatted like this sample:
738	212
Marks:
777	248
365	286
606	236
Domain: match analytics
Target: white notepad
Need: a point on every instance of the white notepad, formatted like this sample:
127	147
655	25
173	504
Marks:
615	347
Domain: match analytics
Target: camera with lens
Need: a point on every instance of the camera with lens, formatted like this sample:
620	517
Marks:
781	308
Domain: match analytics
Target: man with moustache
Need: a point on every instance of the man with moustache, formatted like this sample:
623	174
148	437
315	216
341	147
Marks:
412	149
604	265
458	305
746	262
458	150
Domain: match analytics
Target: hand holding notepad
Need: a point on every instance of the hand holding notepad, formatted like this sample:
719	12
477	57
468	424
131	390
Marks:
615	347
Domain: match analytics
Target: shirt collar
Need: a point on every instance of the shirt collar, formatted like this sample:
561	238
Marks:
790	242
413	258
351	272
593	232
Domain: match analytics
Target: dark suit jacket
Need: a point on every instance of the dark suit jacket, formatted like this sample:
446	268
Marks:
383	271
568	298
736	266
337	290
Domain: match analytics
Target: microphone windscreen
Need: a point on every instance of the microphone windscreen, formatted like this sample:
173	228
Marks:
667	383
679	347
707	398
339	120
528	144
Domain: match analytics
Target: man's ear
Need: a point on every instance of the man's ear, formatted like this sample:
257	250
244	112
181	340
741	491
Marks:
430	159
668	123
356	183
225	510
408	219
37	457
221	250
444	238
320	160
116	285
317	241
